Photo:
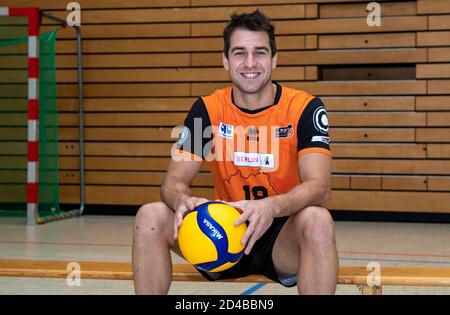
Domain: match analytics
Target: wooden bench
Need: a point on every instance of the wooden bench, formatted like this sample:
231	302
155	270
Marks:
399	276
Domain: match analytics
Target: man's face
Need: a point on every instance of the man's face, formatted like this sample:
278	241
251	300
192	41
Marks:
250	60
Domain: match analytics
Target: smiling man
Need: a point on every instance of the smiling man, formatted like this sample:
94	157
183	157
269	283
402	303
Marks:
267	146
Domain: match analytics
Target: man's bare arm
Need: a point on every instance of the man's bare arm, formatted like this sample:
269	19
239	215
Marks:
175	191
315	189
176	182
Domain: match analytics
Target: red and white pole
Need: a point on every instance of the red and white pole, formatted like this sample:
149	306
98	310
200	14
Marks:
33	106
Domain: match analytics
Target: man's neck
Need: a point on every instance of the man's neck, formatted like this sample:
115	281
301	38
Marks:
257	100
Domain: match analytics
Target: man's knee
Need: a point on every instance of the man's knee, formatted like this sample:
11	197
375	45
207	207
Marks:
155	218
315	227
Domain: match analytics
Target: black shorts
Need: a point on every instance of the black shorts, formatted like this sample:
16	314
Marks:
259	261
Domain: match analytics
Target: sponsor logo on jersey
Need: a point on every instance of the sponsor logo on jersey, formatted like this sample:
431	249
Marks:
323	139
252	134
320	120
254	159
184	135
226	131
267	160
284	132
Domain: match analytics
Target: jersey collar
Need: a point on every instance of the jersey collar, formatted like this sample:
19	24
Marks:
275	101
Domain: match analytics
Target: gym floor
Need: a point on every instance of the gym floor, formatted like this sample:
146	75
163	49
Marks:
109	238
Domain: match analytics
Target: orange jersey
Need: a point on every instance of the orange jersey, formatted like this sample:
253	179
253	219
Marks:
254	154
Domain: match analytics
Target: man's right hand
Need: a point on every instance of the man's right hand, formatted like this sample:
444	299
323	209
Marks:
183	206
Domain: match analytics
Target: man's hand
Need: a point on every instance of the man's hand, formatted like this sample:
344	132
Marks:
260	217
183	206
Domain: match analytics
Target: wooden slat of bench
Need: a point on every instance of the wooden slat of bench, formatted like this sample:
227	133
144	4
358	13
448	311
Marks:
404	276
185	272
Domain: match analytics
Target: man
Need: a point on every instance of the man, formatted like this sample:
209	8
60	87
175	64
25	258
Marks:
268	150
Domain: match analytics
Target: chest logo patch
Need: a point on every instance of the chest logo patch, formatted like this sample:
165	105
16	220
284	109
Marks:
254	159
226	131
284	132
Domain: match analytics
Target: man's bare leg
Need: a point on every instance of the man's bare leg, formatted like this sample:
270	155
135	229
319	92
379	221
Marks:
306	246
152	241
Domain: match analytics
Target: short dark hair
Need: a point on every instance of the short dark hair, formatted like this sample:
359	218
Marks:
255	21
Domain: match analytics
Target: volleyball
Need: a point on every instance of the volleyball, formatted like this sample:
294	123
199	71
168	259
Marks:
208	238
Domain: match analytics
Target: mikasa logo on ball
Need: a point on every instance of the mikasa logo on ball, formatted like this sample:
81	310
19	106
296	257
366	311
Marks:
213	229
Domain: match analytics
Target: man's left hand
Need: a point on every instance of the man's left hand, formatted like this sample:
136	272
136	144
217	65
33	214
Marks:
260	217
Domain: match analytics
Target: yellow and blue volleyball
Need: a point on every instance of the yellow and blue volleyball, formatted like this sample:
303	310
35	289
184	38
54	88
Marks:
208	238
